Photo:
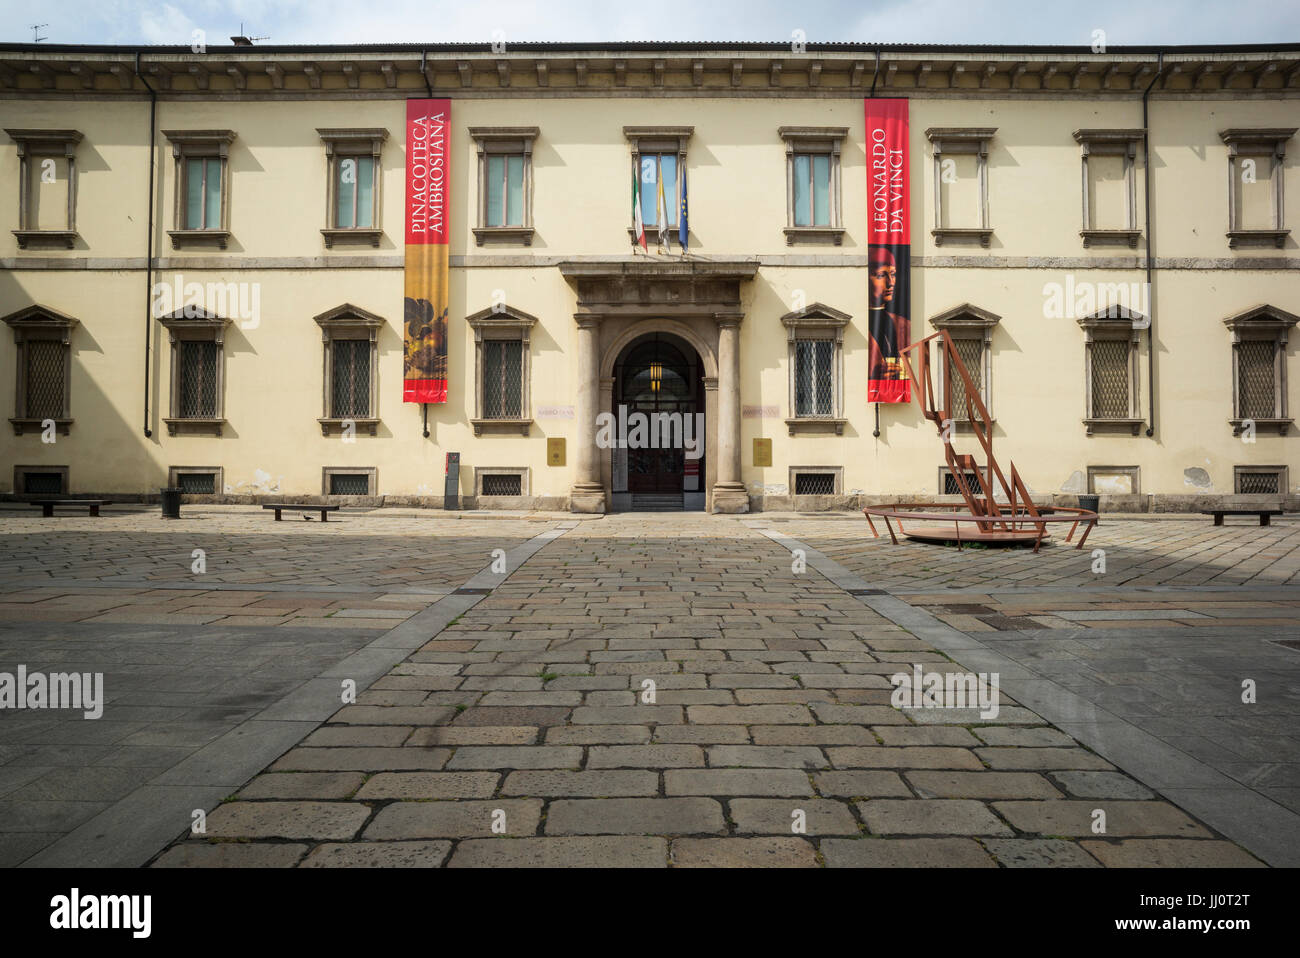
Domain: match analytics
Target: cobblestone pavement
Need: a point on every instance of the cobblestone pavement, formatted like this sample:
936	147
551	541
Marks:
193	664
1155	573
363	569
650	691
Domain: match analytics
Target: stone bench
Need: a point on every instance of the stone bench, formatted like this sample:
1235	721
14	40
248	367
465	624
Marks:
1265	515
301	507
47	505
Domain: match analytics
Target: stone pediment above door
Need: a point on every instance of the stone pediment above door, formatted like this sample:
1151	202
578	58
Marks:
646	286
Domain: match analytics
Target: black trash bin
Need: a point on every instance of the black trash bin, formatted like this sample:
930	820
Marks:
1091	503
171	502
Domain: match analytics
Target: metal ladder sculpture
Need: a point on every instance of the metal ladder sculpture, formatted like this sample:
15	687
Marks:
980	495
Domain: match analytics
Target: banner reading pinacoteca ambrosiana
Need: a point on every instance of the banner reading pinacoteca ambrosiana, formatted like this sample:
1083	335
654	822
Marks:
428	131
889	323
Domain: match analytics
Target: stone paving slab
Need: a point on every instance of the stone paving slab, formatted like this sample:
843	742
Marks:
581	675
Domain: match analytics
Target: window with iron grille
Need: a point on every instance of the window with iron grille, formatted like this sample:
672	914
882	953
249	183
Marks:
814	378
1110	379
950	487
1256	366
502	484
814	484
350	378
46	362
43	483
971	354
502	378
198	379
349	484
1259	482
197	483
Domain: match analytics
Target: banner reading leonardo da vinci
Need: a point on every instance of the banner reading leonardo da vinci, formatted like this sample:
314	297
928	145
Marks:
889	326
425	314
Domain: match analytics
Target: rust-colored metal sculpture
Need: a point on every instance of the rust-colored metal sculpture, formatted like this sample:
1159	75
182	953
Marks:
1017	520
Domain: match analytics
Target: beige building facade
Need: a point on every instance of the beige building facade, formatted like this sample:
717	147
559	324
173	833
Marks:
1106	236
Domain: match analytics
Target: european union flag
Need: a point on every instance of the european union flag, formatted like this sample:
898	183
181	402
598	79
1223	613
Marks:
681	215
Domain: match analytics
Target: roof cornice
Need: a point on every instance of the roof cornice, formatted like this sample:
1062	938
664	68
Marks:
635	69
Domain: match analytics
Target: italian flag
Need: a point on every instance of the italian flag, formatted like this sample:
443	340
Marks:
638	226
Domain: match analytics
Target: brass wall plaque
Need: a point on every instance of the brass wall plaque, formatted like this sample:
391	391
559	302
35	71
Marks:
555	452
762	452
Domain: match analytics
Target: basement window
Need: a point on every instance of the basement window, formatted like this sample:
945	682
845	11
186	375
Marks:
41	480
1259	480
815	480
195	480
501	481
349	481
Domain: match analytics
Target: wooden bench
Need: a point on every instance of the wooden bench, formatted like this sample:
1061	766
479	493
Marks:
301	507
47	505
1265	515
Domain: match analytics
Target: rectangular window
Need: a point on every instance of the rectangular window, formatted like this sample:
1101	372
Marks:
355	191
1260	480
1256	380
814	484
505	189
1110	379
502	484
349	484
350	378
197	483
658	168
814	378
202	193
43	483
502	378
812	189
198	379
46	360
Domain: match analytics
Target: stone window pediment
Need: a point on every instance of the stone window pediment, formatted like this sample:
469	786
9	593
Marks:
815	358
198	370
502	369
970	328
1112	347
350	336
1259	373
43	369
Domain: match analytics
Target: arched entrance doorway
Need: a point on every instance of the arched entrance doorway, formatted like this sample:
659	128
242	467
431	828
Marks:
658	418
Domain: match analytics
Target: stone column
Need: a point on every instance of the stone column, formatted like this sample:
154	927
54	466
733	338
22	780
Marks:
729	493
588	493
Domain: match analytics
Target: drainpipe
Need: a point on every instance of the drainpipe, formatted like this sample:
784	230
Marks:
1151	249
148	245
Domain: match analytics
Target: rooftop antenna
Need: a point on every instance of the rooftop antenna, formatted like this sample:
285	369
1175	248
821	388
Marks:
36	32
243	40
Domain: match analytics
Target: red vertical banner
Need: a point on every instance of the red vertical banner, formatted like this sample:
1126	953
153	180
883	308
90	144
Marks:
889	251
424	367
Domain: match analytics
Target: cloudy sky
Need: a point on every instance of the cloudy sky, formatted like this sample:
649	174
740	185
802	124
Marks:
937	21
